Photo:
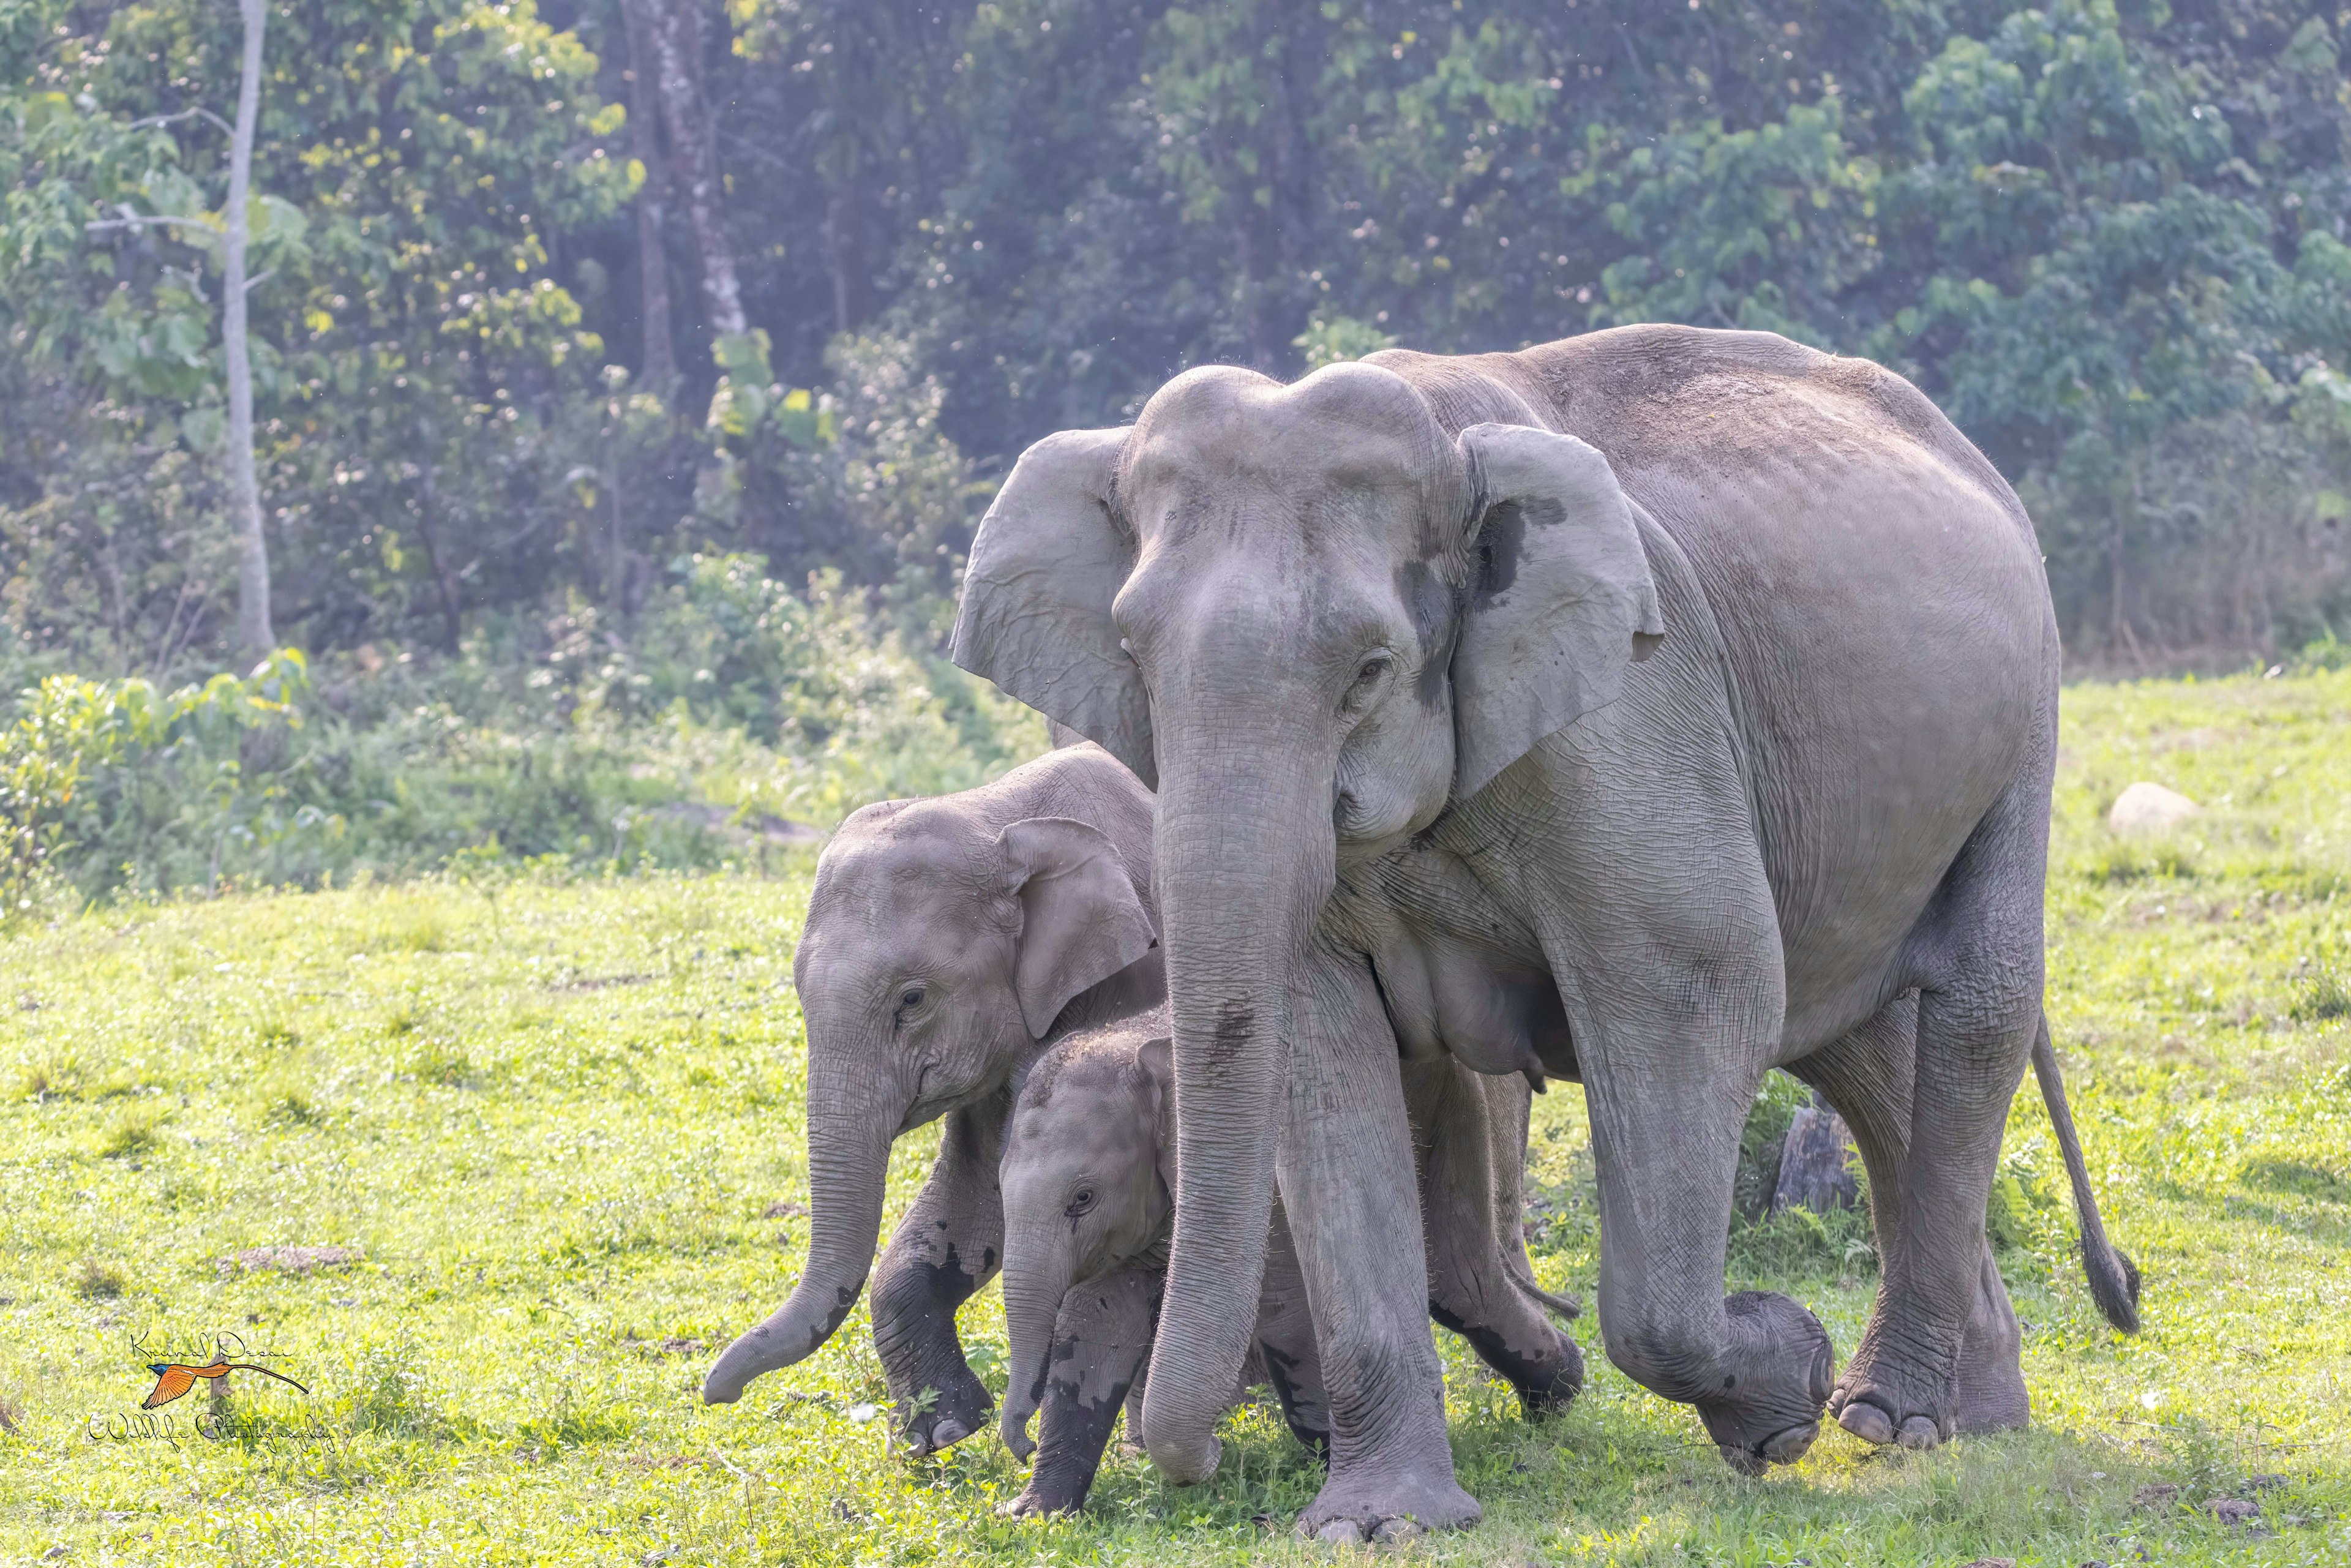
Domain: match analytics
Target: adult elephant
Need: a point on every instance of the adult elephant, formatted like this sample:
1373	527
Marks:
1710	679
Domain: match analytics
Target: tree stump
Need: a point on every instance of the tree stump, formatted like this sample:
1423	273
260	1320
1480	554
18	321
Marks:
1813	1172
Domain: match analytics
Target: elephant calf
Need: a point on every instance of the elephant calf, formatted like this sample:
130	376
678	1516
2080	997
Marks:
1088	1181
947	942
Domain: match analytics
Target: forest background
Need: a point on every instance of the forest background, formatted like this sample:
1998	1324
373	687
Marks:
629	375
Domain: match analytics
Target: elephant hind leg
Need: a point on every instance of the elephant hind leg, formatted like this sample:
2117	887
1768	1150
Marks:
1978	960
1471	1131
1867	1076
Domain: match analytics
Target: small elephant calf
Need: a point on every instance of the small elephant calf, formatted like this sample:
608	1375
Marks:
1089	1187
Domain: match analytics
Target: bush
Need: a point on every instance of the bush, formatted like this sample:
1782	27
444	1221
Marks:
599	740
85	758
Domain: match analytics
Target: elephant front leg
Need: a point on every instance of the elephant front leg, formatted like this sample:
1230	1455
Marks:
1457	1118
1757	1364
1101	1341
1344	1163
948	1245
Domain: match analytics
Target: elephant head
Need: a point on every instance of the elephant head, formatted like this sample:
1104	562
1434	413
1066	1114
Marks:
937	953
1085	1188
1312	615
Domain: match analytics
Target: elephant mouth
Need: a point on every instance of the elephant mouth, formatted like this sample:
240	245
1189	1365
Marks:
920	1107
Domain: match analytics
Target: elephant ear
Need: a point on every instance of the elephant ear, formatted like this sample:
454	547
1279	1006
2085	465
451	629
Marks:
1080	920
1560	599
1157	1060
1049	559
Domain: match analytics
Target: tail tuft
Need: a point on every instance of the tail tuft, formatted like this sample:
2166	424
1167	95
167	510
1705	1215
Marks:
2114	1283
2113	1278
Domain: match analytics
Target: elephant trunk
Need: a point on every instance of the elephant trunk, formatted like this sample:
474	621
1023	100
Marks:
850	1129
1037	1276
1244	851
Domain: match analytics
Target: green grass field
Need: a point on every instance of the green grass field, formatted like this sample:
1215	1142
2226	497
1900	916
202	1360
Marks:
546	1119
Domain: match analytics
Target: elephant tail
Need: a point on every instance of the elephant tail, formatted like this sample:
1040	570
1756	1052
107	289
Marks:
2113	1278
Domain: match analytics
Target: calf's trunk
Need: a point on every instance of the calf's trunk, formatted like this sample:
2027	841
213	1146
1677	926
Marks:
850	1130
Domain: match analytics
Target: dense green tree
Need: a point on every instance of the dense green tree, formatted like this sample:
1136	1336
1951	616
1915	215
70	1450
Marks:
2109	237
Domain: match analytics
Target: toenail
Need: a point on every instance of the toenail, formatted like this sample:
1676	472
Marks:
1867	1421
1919	1432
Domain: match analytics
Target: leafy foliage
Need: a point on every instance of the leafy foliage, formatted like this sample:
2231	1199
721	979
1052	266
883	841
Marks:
731	711
85	756
2109	237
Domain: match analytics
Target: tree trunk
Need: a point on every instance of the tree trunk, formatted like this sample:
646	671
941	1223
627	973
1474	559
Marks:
254	631
659	371
694	139
1813	1172
852	293
1273	238
427	503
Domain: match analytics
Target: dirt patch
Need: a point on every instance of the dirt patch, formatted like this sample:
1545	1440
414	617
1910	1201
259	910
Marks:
599	983
295	1260
666	1346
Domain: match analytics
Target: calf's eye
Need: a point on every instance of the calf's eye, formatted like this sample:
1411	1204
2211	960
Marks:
1080	1201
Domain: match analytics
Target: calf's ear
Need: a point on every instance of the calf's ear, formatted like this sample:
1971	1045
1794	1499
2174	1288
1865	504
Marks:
1158	1061
1080	919
1049	560
1560	599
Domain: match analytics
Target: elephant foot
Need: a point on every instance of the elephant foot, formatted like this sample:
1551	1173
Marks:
1992	1399
1388	1505
1775	1375
1041	1501
1543	1365
1883	1402
1554	1395
960	1409
1991	1394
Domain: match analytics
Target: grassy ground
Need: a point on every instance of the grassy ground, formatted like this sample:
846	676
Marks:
546	1122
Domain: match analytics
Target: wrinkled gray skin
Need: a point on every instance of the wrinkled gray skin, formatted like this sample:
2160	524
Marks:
1088	1179
947	942
1708	678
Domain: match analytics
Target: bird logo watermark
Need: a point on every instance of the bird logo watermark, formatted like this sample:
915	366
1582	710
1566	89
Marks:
174	1378
175	1373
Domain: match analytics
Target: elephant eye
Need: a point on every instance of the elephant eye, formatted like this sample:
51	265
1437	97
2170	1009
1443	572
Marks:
1081	1201
1368	676
910	1000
